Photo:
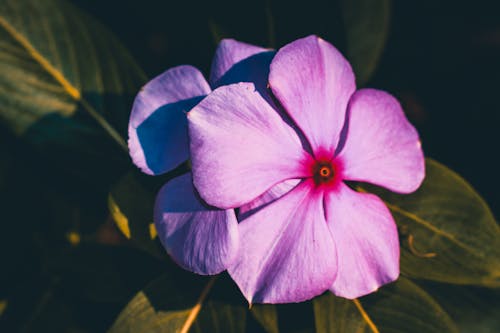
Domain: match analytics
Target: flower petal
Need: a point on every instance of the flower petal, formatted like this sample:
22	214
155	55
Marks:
200	239
228	54
366	238
381	146
286	251
240	146
313	82
158	140
274	193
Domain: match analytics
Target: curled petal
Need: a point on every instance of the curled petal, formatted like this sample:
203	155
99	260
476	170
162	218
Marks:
158	140
274	193
286	253
381	146
240	146
366	239
313	82
201	239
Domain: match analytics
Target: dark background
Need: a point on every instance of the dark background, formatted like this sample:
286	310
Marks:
442	60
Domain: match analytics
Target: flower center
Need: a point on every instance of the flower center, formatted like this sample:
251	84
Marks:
323	172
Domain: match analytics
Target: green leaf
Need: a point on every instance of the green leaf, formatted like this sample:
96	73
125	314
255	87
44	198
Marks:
336	315
57	62
166	305
367	25
473	309
401	307
267	316
448	232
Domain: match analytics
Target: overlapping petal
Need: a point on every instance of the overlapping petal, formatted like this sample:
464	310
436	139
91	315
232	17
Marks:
158	139
274	193
381	147
286	253
366	239
240	146
313	82
199	238
231	52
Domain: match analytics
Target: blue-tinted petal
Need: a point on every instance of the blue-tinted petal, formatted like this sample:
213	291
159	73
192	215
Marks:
199	238
158	139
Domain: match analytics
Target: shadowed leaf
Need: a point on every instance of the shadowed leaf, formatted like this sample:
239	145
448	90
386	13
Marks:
60	61
401	307
167	304
267	316
473	309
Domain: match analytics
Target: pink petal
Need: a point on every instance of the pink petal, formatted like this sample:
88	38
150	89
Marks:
381	147
286	251
158	140
367	242
200	239
313	82
274	193
240	146
228	54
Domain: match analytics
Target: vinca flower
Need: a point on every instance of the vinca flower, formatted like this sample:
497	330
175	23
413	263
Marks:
199	238
320	132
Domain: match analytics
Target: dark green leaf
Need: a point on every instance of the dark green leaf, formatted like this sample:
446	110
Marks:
337	315
473	309
448	232
57	62
366	24
401	307
165	306
267	316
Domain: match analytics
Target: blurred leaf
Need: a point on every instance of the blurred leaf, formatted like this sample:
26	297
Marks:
401	307
473	309
57	61
131	206
366	25
447	220
267	316
165	306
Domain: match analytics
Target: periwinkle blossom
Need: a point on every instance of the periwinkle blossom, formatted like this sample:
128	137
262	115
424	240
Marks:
198	237
321	235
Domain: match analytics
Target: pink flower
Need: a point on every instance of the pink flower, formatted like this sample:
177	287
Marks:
321	235
198	237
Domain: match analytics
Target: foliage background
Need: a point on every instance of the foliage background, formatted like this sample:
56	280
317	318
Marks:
66	267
